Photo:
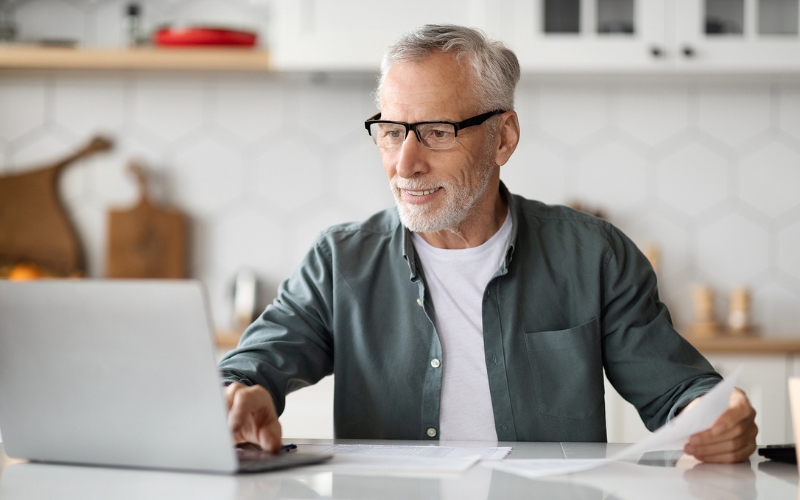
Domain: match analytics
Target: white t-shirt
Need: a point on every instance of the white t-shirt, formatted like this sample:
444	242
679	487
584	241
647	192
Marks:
456	281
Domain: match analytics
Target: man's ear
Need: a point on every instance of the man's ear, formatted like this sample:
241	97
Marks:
507	137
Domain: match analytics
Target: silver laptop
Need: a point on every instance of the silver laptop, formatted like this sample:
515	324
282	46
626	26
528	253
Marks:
116	373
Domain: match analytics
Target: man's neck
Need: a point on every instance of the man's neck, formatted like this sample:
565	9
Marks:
479	226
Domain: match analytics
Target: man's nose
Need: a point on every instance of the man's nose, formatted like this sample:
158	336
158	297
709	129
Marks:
411	159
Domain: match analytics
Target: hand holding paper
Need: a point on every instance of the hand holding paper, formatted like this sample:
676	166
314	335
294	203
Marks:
732	438
720	423
698	417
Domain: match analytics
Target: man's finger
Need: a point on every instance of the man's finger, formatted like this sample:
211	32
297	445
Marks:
742	439
236	416
731	418
732	456
739	413
708	437
252	418
269	437
230	391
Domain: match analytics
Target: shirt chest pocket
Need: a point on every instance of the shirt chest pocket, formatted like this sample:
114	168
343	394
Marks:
567	370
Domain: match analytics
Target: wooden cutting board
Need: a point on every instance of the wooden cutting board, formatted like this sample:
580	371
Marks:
34	226
146	241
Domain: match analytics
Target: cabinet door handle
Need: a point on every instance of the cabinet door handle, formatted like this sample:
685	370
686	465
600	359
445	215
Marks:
656	51
688	51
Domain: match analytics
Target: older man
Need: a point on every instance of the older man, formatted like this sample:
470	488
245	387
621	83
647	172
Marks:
469	313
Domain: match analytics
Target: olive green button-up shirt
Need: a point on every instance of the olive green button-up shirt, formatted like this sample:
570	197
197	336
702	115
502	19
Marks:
573	297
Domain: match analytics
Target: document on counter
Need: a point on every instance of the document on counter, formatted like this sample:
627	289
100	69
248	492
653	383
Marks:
433	451
402	465
671	436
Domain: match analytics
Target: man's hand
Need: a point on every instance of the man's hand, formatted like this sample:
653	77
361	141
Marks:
732	438
252	417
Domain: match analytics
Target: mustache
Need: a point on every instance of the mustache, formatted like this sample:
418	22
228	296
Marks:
415	184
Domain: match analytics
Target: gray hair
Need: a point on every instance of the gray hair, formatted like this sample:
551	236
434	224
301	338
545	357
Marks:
496	68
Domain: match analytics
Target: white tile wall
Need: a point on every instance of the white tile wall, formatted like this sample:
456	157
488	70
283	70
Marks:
692	179
571	114
733	250
653	114
789	112
598	177
789	250
733	115
23	106
279	158
768	179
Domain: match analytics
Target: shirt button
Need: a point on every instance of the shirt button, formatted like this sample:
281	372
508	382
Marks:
435	363
431	432
419	301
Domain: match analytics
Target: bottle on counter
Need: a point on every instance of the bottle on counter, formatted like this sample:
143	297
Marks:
739	315
132	25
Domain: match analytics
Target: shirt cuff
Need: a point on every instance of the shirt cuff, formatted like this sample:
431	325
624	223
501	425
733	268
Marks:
692	393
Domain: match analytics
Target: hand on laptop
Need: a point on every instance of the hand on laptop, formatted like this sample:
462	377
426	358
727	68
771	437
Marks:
252	417
732	438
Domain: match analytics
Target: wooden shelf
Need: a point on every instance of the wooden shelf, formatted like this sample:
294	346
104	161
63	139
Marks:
181	59
227	339
746	345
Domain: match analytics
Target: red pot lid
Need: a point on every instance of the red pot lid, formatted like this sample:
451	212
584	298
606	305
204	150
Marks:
204	36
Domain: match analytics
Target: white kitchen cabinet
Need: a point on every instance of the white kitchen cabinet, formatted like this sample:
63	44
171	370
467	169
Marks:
353	34
737	35
309	412
682	36
623	423
553	36
595	35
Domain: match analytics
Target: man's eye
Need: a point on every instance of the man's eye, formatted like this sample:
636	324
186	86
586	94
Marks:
439	134
391	134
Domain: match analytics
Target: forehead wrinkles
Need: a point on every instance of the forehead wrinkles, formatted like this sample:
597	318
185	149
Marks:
440	81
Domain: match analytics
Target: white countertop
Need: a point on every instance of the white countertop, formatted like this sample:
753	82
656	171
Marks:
667	477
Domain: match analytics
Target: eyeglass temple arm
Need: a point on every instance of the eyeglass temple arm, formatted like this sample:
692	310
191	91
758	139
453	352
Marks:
477	120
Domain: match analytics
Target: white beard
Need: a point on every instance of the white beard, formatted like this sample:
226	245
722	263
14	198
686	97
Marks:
460	200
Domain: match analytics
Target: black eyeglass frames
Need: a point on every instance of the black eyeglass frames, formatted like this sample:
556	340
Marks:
433	135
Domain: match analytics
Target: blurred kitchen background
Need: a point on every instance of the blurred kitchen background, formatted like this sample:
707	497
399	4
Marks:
679	120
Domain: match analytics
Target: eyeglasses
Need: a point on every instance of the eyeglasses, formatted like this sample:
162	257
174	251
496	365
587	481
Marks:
433	135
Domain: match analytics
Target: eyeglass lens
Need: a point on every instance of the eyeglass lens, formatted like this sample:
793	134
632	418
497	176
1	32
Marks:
431	135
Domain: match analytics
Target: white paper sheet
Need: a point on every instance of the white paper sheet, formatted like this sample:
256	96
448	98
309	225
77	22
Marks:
359	463
672	436
491	453
541	467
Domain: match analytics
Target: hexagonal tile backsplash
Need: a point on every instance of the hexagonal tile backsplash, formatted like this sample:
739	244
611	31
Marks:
255	166
708	172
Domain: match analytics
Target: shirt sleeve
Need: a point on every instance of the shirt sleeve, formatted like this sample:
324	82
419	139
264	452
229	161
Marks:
290	345
645	359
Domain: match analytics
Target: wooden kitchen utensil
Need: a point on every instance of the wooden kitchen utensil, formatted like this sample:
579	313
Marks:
34	226
146	241
705	324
